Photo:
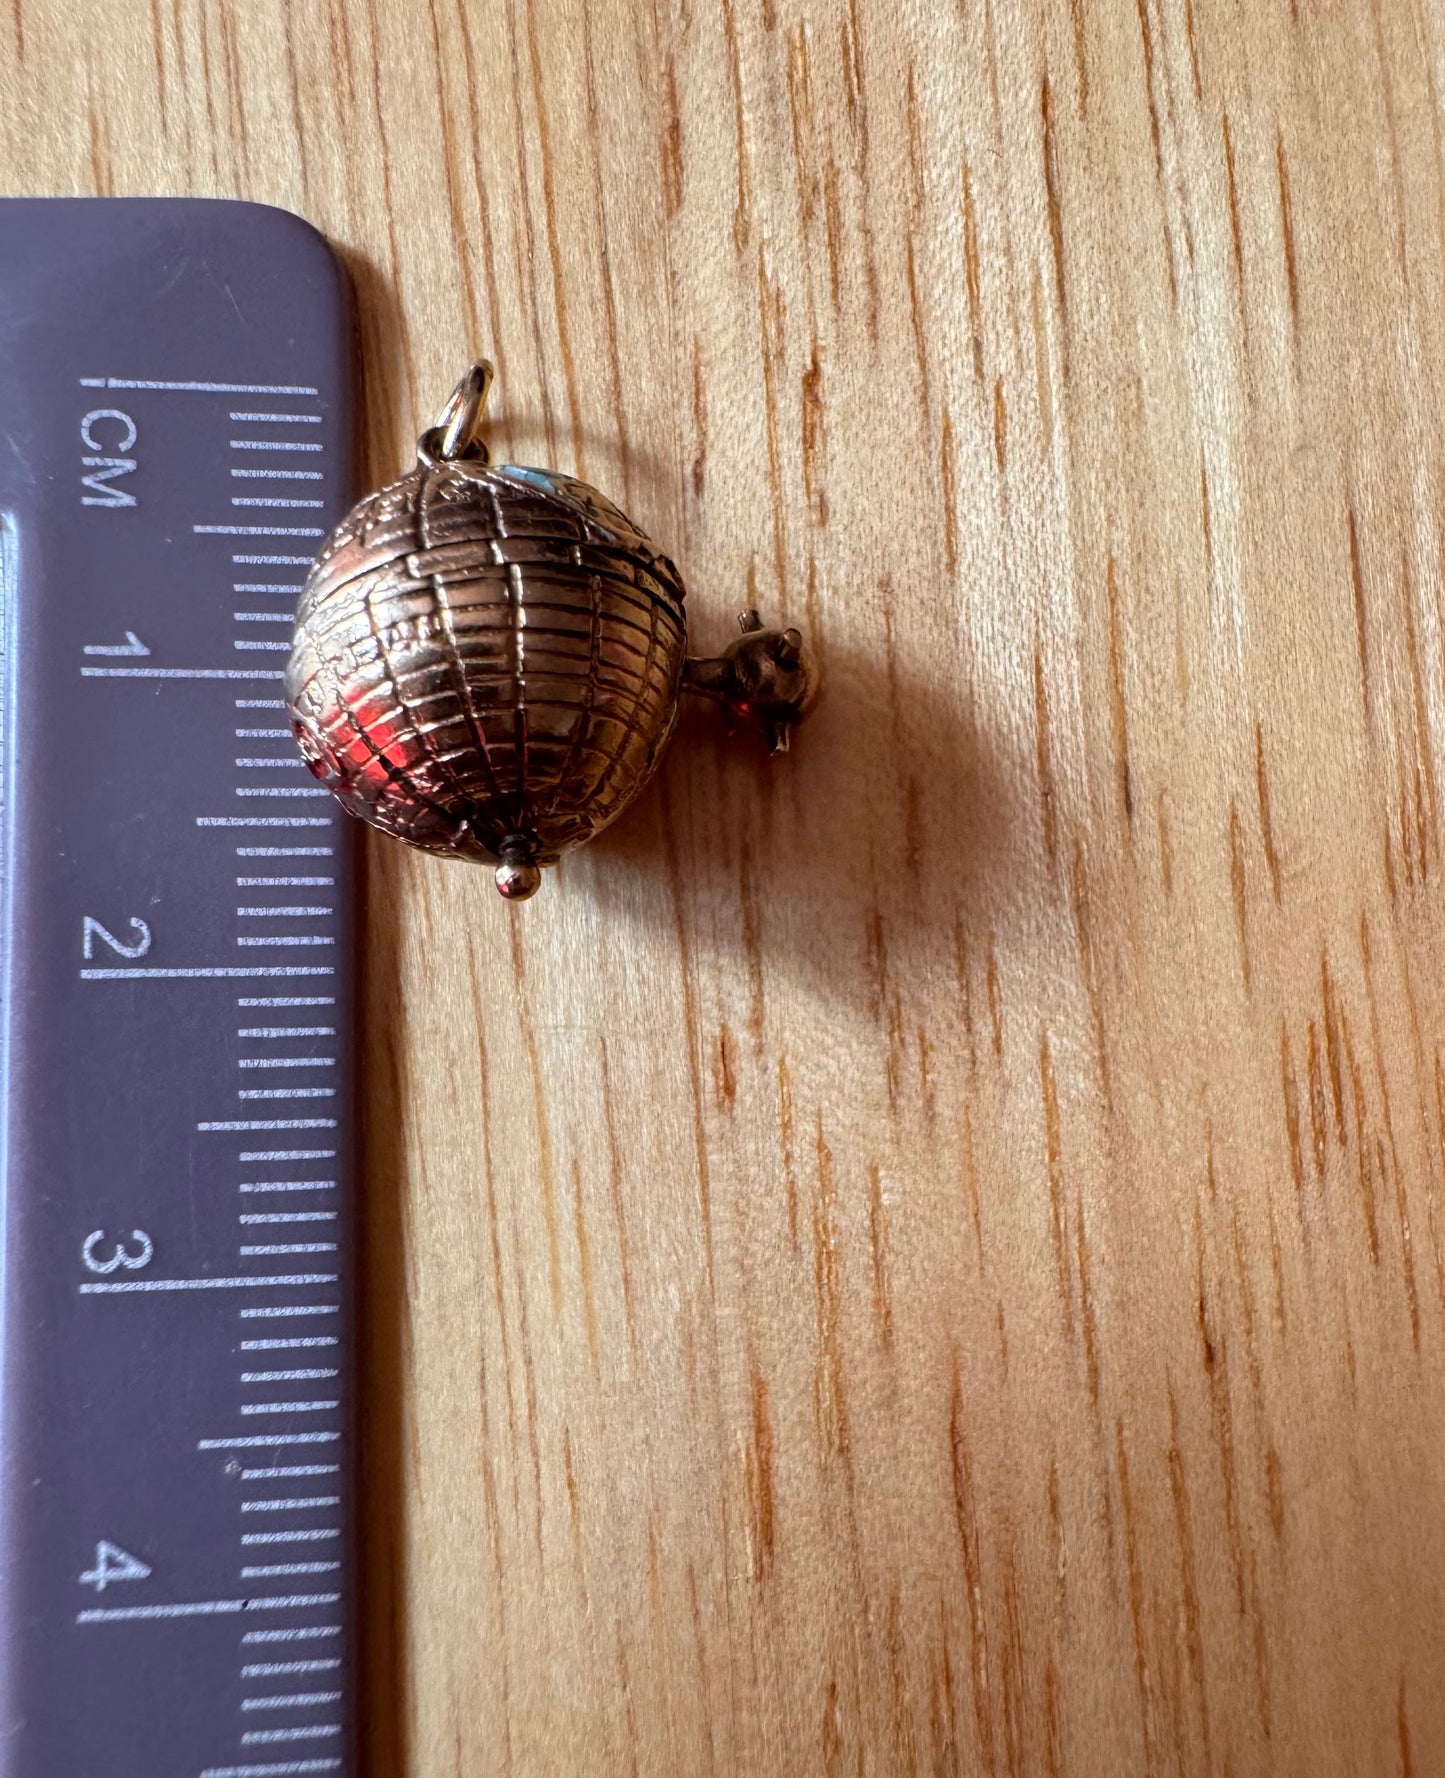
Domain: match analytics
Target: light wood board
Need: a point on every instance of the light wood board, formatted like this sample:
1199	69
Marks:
924	1255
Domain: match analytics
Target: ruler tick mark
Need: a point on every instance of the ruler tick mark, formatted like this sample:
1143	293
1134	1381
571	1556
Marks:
249	1442
276	1123
259	530
287	1185
177	673
322	1732
286	1093
289	1216
263	821
273	444
302	1633
289	1309
291	1154
280	789
193	1608
274	1250
113	1287
283	1769
171	975
300	1503
293	939
291	1701
199	388
281	1473
287	1061
304	912
320	1535
286	1030
269	1570
308	1376
113	1614
280	475
289	1407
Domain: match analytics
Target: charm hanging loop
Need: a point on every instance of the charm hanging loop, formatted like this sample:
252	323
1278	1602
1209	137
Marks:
456	436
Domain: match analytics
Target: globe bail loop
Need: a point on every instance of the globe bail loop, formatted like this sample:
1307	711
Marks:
456	436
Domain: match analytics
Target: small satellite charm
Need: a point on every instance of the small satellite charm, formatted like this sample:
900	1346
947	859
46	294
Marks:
489	659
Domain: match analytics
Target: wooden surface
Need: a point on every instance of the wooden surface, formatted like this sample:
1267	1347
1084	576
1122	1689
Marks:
926	1255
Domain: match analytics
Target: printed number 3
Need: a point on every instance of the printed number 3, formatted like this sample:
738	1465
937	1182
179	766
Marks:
120	1256
91	930
112	1563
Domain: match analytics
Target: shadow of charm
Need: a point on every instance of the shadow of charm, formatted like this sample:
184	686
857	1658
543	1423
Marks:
488	659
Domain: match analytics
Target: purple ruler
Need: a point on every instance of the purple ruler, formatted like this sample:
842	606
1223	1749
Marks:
176	985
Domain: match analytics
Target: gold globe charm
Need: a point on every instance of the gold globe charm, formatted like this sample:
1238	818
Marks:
488	659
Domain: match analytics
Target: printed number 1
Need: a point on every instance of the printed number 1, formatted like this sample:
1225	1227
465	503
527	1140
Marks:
112	1563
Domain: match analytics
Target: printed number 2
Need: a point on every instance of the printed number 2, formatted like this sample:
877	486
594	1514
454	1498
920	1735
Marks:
112	1563
133	1262
91	930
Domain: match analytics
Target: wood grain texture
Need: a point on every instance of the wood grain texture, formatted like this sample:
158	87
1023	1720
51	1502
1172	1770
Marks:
924	1256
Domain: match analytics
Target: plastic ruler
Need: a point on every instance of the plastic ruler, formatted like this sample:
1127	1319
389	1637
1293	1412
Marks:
177	981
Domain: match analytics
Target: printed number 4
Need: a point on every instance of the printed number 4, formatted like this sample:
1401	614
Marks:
112	1563
91	930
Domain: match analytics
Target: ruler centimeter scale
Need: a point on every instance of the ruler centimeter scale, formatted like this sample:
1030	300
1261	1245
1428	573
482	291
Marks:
176	936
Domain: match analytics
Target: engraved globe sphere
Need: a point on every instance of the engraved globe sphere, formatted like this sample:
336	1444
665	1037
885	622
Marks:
487	663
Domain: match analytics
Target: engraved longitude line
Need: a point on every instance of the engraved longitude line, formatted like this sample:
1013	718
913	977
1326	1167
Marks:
604	811
619	555
591	687
513	575
395	774
375	582
424	733
398	776
455	661
643	597
520	727
517	595
660	737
